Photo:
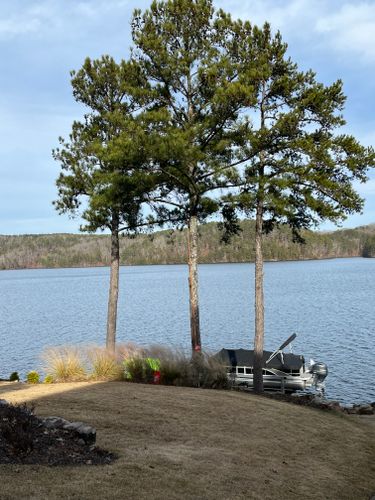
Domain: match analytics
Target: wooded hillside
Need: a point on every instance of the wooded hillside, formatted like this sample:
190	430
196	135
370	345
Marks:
169	247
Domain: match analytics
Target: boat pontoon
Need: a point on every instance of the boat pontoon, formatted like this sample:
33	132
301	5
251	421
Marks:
284	372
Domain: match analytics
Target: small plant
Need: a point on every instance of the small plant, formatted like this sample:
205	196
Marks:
33	377
48	379
14	377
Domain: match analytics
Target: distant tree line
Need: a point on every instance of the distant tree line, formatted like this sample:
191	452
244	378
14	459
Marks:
207	116
169	247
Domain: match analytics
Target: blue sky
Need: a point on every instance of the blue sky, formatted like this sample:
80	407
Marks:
42	40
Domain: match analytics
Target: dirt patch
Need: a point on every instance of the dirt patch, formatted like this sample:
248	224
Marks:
26	439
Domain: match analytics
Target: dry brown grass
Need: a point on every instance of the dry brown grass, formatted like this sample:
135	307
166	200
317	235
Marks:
189	443
64	363
104	365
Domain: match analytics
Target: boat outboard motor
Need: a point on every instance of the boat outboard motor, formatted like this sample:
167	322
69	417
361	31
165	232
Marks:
320	372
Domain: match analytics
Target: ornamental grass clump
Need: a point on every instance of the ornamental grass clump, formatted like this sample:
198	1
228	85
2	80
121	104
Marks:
64	364
104	365
208	372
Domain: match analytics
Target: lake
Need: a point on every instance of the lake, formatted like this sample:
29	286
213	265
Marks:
330	304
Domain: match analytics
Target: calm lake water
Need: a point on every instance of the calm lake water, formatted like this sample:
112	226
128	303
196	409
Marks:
330	304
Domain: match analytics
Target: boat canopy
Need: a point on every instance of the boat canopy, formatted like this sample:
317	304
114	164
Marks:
245	357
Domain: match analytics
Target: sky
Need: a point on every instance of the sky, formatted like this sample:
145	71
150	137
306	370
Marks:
41	41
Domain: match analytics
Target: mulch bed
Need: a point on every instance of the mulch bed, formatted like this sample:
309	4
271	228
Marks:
24	439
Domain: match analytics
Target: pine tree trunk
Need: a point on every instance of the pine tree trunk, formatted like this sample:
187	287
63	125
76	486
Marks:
193	283
113	288
259	302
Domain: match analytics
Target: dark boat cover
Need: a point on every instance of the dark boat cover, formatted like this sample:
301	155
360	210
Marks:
245	357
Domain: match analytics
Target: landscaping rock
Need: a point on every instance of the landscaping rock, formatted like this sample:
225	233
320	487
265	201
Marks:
319	402
364	409
54	422
83	431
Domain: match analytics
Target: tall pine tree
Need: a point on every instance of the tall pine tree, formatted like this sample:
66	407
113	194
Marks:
295	168
190	58
104	175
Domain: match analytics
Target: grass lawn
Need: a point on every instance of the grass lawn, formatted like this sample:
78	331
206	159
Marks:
197	444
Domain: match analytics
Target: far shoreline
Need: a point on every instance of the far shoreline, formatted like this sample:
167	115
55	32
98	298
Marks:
34	268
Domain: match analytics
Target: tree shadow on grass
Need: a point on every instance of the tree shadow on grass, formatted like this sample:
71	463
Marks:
188	443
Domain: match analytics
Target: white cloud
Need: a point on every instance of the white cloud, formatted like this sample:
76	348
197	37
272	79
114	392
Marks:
344	27
351	29
42	17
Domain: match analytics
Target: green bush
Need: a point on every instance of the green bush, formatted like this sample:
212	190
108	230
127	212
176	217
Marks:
49	379
134	370
140	369
14	377
33	377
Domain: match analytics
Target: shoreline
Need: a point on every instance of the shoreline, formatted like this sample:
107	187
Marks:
100	266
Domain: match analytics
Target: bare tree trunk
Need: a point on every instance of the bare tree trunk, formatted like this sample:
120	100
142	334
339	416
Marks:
259	302
113	288
193	283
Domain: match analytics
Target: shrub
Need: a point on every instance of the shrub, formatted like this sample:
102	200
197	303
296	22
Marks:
135	364
64	364
16	427
32	377
173	364
104	364
178	368
134	369
141	369
48	379
14	377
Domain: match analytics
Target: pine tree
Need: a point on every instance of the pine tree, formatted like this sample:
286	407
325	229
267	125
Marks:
296	170
189	55
104	175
